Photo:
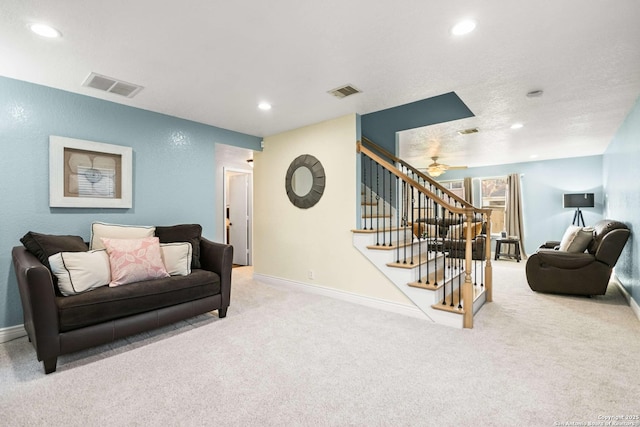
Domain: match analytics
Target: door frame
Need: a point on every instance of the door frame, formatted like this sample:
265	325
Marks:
225	198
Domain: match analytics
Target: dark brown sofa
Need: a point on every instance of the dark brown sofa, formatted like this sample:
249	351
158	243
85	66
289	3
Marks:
57	324
442	241
585	273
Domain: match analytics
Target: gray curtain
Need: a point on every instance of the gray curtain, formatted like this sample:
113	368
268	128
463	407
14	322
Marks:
468	190
514	225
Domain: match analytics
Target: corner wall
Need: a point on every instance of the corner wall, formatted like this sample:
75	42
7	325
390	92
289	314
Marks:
288	241
173	169
621	178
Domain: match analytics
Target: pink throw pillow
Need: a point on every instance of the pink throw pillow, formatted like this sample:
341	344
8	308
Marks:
134	260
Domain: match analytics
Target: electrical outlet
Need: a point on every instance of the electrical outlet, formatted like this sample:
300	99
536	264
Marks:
311	275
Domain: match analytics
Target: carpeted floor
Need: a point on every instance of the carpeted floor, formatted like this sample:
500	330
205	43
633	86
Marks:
287	358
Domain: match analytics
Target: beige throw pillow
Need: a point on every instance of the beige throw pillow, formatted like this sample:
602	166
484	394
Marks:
118	231
79	272
576	239
176	258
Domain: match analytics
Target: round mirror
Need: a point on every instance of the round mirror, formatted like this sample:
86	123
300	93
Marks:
302	181
305	181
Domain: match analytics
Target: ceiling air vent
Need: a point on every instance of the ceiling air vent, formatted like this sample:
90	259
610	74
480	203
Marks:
344	91
111	85
468	131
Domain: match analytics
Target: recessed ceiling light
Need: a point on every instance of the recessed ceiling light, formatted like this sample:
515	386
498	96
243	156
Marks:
264	106
45	31
517	126
533	156
463	27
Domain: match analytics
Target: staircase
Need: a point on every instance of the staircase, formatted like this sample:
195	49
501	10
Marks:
402	233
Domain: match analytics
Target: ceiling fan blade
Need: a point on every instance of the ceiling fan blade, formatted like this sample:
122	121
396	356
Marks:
458	167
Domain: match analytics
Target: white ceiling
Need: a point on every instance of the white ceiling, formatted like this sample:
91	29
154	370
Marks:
212	61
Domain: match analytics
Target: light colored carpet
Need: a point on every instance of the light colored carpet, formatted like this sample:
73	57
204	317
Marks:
289	358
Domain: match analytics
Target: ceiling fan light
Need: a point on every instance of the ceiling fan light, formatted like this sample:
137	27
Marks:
435	171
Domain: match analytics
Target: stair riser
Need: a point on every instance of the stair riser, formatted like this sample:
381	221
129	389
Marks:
401	277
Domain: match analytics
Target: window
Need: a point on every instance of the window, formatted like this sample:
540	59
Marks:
456	187
494	196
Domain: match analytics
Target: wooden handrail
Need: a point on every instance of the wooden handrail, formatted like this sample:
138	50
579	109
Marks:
421	188
366	141
415	184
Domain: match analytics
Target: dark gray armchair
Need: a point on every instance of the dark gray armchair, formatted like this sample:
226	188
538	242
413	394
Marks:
587	273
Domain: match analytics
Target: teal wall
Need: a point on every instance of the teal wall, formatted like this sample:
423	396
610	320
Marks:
543	184
173	169
621	180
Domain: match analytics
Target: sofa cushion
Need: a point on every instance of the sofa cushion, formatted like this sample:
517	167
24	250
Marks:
176	258
105	303
45	245
79	272
576	239
117	231
134	260
183	233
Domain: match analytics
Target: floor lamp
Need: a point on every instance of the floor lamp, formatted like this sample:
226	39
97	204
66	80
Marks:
577	201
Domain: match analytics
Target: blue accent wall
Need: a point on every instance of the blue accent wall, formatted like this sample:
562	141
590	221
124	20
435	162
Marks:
543	184
381	126
174	177
621	180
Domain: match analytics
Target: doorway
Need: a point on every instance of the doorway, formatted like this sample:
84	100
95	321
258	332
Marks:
238	217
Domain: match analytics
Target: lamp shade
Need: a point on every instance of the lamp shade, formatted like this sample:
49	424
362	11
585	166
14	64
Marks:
578	200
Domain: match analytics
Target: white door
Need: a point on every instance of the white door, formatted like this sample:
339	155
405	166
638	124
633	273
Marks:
237	199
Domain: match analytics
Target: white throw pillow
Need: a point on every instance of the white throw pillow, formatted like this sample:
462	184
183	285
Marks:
118	231
176	258
576	239
79	272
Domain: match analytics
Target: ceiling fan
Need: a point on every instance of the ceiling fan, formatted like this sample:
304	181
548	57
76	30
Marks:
436	169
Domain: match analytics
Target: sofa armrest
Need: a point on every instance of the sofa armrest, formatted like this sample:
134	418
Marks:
551	244
38	297
218	257
564	260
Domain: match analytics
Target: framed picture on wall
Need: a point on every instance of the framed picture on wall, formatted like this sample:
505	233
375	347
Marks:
88	174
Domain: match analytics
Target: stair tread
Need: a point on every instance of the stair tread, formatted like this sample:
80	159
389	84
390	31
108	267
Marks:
366	231
392	246
477	292
416	260
435	279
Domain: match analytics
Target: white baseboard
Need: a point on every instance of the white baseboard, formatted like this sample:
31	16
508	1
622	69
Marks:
11	333
632	303
372	302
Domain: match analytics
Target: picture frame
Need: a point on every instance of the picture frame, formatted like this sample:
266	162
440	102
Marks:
88	174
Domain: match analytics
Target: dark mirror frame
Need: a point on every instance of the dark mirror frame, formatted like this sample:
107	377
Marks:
317	187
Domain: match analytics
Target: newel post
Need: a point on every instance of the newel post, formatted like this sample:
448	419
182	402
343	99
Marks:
488	270
467	287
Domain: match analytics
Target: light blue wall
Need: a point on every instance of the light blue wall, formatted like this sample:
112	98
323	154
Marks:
543	184
622	188
173	169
